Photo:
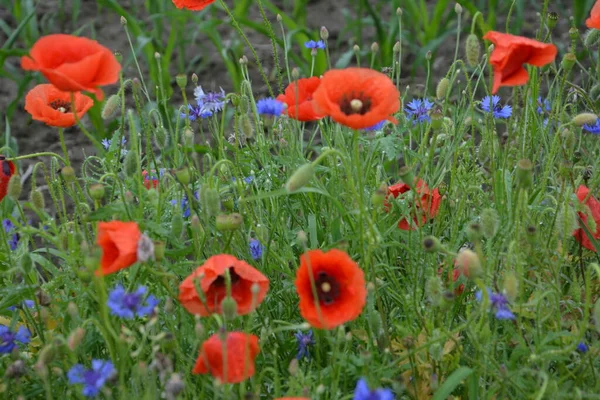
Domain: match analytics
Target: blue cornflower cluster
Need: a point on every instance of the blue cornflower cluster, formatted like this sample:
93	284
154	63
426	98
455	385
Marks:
25	304
269	106
9	339
256	249
92	379
378	126
418	110
207	104
499	304
491	104
544	105
595	129
107	142
311	44
362	392
185	204
13	237
305	340
130	305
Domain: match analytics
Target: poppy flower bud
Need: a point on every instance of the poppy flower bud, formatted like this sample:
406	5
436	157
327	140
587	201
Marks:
97	191
590	221
43	298
75	338
229	307
378	197
111	106
131	164
489	222
431	244
129	198
183	175
428	55
525	174
585	119
407	176
188	138
199	329
433	290
568	62
442	88
398	12
324	33
375	321
228	203
210	200
176	225
473	50
159	250
47	355
15	187
196	226
437	119
72	310
458	9
595	92
397	47
246	127
36	197
474	232
592	38
552	20
181	80
161	137
293	368
229	222
375	48
302	238
300	178
468	263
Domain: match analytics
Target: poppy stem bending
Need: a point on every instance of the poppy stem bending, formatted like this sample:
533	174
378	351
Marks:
40	154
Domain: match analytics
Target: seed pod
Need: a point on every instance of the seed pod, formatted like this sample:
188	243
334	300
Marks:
97	191
568	62
473	50
552	20
229	307
525	174
442	88
181	80
431	244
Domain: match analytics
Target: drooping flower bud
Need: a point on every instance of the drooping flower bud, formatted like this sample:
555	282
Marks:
36	197
468	263
585	119
75	338
183	175
489	222
210	200
442	88
300	178
111	106
229	222
473	50
15	187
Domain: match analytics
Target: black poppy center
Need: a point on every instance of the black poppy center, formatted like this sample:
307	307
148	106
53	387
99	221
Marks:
355	103
61	106
6	169
235	278
328	288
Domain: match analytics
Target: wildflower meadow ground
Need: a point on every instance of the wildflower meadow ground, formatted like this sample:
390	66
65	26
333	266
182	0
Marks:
331	224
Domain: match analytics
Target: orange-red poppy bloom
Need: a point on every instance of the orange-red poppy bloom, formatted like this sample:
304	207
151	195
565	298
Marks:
299	99
427	205
511	52
593	22
47	104
241	350
339	284
7	169
211	280
119	242
194	5
594	206
72	63
357	97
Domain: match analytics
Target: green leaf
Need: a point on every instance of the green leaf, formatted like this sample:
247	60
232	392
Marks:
106	212
451	383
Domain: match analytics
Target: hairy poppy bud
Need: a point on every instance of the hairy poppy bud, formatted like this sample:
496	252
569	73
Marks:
36	197
174	386
468	263
300	178
489	222
183	175
597	315
293	367
525	174
188	138
568	62
176	225
585	119
592	38
15	187
161	137
75	338
159	250
433	290
437	119
181	80
442	88
97	191
72	310
47	355
324	33
473	50
196	226
229	307
111	106
246	127
210	200
131	164
431	244
17	370
145	248
229	222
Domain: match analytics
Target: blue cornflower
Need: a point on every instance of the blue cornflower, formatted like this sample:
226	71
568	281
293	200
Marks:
362	392
249	179
91	379
544	105
418	110
595	129
311	44
582	347
105	143
269	106
24	304
378	126
305	340
492	105
256	249
210	101
129	305
499	304
13	238
9	338
185	204
196	112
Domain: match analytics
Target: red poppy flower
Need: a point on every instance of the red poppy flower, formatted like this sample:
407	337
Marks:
455	274
194	5
211	279
594	206
594	20
119	242
150	180
53	107
427	207
299	99
72	63
7	170
511	52
241	350
357	97
340	287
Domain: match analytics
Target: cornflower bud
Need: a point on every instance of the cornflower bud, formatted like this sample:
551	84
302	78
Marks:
324	33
